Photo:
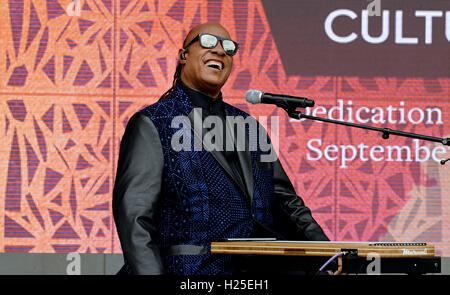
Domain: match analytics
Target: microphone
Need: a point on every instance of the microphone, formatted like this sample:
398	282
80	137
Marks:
255	96
444	161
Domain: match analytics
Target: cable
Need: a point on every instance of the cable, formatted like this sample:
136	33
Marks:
331	259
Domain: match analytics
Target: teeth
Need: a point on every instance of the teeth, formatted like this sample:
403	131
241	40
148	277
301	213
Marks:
215	64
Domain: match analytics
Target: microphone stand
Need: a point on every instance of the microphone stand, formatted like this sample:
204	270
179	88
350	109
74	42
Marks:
386	132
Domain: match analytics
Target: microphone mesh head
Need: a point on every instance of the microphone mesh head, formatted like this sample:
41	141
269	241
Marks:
253	96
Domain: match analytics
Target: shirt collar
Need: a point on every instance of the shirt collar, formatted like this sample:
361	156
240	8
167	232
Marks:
200	99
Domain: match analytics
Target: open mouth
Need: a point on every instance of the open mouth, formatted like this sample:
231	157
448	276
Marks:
214	64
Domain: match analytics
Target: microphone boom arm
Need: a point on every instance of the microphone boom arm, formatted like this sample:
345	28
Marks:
386	132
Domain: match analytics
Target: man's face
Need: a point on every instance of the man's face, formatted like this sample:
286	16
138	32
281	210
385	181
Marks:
200	70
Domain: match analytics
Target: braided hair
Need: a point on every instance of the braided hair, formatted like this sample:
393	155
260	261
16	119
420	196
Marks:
176	75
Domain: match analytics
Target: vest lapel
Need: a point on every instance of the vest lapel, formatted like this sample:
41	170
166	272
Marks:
245	160
195	122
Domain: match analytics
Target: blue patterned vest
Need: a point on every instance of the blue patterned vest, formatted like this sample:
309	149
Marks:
200	203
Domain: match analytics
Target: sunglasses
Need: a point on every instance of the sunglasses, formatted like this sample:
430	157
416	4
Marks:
210	41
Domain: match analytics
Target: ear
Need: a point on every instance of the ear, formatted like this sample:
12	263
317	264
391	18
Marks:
182	56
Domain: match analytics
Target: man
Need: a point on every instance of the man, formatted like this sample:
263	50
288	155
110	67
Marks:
169	204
